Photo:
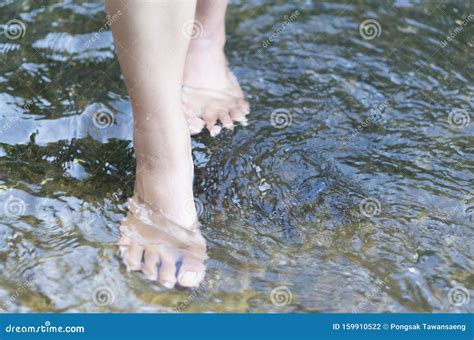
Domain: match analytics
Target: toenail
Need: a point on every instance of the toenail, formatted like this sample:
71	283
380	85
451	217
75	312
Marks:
215	130
189	277
168	284
244	122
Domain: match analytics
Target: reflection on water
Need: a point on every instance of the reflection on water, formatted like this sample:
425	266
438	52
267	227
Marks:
351	190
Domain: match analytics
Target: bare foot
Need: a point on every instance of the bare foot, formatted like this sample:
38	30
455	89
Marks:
157	245
211	92
160	236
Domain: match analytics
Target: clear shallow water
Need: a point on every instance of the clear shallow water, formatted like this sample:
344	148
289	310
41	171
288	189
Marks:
363	203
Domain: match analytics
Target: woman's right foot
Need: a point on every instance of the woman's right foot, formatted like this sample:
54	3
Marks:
162	249
160	235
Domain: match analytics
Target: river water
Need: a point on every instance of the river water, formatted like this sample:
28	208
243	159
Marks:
351	190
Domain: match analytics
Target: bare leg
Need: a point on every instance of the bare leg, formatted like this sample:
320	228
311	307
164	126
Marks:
160	228
211	90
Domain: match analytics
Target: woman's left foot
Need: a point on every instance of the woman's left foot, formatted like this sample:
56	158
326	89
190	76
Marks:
211	92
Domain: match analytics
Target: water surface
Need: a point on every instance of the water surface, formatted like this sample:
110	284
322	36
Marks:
351	189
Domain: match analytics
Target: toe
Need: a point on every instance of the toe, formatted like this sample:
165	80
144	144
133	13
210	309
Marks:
167	275
150	264
238	116
191	273
244	106
210	116
124	243
195	125
133	257
226	120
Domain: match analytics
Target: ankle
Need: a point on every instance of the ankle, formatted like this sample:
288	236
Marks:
208	42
